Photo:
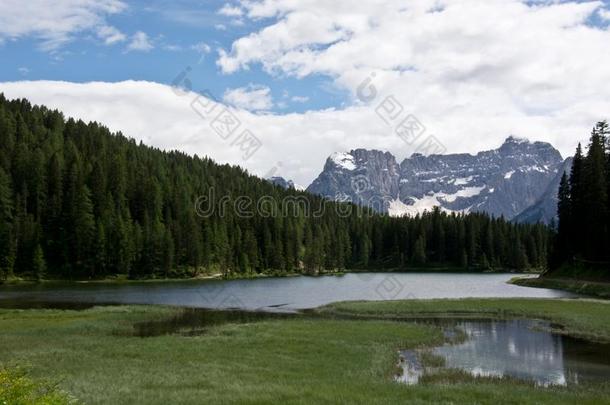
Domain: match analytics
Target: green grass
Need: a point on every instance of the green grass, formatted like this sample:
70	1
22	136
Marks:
91	355
579	318
593	288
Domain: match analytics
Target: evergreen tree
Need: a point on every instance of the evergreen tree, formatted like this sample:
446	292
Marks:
564	213
39	265
419	251
584	213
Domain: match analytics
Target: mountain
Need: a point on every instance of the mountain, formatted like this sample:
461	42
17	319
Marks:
501	182
545	209
285	184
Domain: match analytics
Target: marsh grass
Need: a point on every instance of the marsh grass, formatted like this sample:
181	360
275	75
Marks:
581	318
289	361
599	289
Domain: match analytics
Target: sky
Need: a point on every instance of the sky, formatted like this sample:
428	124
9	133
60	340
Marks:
276	86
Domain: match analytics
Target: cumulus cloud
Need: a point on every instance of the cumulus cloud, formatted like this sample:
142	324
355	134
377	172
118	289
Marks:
230	11
473	72
468	69
251	98
140	42
110	35
56	24
163	117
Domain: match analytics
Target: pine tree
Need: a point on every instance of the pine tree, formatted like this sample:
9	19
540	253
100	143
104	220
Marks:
84	229
419	251
168	253
39	266
564	213
6	216
595	195
99	252
577	201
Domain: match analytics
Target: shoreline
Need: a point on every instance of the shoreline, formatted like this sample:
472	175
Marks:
16	281
493	309
597	289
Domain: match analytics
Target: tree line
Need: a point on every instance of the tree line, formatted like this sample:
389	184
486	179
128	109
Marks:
583	233
77	201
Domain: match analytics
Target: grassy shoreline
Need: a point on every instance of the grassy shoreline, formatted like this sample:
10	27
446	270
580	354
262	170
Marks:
579	318
598	289
93	355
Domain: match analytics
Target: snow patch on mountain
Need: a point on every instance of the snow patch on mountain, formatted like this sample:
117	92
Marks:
343	160
463	193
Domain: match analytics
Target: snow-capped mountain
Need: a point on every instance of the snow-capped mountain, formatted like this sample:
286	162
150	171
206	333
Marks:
505	181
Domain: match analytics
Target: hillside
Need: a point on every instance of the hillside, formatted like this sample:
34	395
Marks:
77	201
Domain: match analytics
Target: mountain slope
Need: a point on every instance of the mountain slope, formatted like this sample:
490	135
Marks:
79	202
545	209
501	182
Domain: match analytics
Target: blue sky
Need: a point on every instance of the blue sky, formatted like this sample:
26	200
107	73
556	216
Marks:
176	31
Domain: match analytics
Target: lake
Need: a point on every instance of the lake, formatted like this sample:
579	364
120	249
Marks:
275	294
521	349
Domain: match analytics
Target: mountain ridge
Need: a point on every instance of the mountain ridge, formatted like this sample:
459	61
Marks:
503	182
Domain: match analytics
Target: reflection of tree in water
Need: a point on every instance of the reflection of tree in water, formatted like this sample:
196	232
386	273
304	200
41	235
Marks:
514	348
586	361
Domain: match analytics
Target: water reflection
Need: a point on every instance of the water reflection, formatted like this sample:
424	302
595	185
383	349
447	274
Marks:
519	349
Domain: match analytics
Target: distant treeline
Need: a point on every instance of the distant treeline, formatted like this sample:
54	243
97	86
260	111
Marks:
583	235
77	201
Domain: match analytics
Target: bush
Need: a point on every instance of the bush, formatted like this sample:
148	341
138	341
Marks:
17	388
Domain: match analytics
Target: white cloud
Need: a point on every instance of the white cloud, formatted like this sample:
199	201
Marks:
230	11
299	99
469	70
604	14
201	47
23	71
251	98
110	35
153	113
54	24
140	42
172	47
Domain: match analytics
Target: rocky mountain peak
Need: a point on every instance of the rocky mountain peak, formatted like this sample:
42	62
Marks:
504	181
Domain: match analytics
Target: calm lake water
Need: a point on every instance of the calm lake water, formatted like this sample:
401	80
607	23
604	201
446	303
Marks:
274	294
520	349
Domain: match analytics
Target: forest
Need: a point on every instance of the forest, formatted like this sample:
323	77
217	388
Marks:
80	202
583	233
